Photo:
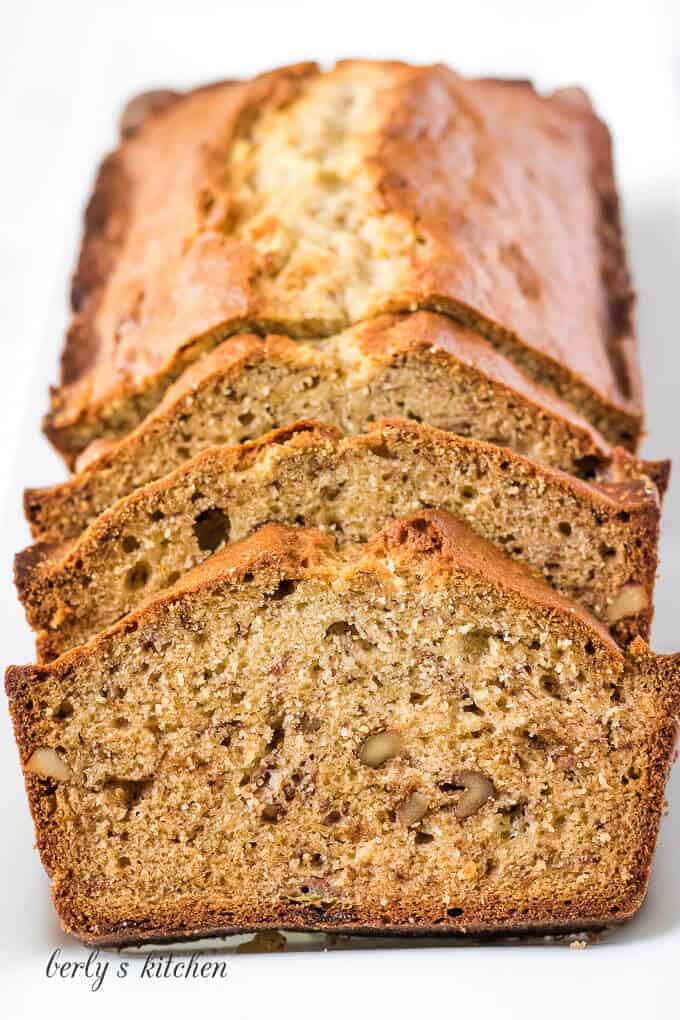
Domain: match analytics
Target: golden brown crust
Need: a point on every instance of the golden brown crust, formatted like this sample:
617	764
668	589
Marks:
566	115
90	374
438	147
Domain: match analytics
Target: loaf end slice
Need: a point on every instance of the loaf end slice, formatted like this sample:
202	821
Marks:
300	203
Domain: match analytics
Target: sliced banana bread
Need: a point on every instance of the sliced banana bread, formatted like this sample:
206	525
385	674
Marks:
305	202
421	366
596	543
413	736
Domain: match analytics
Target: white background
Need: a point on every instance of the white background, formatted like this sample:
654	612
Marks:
65	69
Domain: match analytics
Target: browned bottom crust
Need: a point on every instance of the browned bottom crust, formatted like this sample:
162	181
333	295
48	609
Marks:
193	923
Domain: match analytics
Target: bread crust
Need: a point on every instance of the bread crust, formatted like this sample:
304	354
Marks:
563	312
437	546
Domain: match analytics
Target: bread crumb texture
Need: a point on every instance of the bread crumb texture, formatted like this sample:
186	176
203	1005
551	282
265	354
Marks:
595	543
413	734
421	366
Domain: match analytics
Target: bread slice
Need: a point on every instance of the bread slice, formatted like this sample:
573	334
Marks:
305	202
597	543
413	736
421	366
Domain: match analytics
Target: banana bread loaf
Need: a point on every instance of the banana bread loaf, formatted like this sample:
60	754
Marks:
420	366
413	736
597	543
305	202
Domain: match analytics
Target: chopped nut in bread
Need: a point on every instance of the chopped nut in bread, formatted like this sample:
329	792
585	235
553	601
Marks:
206	802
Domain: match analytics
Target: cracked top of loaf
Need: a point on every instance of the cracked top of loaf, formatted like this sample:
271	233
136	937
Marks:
305	202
